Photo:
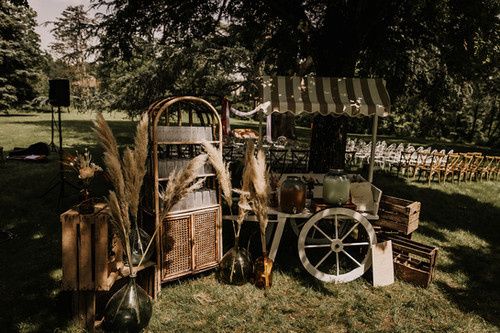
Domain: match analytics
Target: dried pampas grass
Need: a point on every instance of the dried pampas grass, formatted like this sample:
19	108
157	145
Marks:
126	175
244	204
261	188
111	155
181	183
221	169
254	193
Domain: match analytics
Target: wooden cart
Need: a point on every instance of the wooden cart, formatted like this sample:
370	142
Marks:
334	244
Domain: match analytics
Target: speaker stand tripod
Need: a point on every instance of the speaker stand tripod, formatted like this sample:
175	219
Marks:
59	180
52	123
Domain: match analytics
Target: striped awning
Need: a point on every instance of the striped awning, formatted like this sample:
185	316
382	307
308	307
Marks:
354	97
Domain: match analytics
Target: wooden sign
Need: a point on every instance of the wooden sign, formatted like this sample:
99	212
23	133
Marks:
382	264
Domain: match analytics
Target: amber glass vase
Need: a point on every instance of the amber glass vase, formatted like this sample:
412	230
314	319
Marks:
86	205
263	272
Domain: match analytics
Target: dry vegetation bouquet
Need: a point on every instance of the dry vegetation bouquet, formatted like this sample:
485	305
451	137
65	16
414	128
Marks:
84	167
253	196
127	174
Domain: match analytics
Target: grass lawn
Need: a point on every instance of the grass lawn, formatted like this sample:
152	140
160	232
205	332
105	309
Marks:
461	219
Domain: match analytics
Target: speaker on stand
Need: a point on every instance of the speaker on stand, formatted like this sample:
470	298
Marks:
59	96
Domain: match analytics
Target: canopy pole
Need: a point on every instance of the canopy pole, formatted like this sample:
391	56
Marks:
269	122
374	143
260	130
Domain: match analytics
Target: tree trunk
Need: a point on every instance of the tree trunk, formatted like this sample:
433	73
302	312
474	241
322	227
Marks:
474	122
328	141
283	125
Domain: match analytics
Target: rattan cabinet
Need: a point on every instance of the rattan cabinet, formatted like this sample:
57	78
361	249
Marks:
190	236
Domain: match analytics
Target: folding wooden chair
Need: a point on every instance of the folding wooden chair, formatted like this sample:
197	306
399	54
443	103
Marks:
475	165
404	160
436	167
495	169
486	168
299	160
277	159
463	171
452	165
423	158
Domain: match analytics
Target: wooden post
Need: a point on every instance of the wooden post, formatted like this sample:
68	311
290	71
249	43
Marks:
374	144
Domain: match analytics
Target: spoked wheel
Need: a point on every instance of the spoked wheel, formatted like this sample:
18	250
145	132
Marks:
298	223
335	245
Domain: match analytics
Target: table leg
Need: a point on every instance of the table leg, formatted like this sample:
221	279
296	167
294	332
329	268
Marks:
277	237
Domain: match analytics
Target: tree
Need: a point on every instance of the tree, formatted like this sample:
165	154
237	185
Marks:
147	57
74	47
417	46
19	54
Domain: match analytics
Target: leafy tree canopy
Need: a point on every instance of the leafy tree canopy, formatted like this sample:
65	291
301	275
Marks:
20	54
438	57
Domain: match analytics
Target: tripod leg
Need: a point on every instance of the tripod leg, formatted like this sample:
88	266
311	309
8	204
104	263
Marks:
52	144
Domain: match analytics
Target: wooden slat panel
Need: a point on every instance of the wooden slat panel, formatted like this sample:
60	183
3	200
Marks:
101	252
409	242
69	221
85	254
397	217
402	206
407	249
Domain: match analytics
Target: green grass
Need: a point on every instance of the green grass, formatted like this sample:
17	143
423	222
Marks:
461	219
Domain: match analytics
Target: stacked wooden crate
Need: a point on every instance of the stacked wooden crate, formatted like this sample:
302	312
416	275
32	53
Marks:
414	262
92	262
398	214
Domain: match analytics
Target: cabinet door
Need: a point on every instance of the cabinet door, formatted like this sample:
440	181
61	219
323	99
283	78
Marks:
205	238
190	243
176	247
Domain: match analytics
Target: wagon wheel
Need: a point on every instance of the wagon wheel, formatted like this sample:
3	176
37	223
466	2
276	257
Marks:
298	223
343	252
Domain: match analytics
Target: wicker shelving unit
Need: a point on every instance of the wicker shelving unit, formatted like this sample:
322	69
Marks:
189	238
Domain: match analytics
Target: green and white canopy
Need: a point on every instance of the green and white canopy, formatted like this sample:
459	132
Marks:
354	97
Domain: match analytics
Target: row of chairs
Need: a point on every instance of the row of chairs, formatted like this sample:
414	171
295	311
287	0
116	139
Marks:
448	165
279	159
425	161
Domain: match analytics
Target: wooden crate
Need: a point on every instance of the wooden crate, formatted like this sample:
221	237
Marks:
398	214
87	263
413	262
91	265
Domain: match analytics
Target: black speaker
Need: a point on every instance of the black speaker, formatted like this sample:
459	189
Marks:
59	92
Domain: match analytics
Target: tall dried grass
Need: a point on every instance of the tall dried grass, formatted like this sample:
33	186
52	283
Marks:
261	187
180	183
254	193
221	169
126	175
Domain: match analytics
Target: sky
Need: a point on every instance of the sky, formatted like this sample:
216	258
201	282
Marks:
49	10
